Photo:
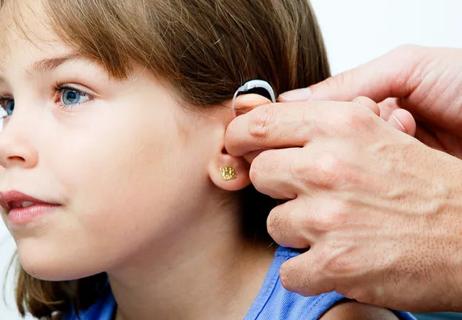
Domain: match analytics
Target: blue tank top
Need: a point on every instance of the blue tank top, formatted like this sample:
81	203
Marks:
273	302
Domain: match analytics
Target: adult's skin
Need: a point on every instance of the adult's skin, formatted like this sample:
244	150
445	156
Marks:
380	209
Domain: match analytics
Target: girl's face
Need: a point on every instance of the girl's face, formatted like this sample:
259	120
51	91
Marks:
127	163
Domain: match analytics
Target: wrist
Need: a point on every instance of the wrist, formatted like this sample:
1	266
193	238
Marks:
448	224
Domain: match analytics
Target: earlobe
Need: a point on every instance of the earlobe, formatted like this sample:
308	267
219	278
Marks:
229	173
226	171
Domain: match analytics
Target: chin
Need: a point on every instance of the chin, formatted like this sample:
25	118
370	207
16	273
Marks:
54	267
46	273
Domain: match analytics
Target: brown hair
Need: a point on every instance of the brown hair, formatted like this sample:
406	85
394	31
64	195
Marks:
205	49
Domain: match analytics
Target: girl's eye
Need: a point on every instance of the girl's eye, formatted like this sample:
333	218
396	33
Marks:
67	97
71	96
6	106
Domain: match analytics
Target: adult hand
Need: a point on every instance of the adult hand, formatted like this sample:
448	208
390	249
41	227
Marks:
380	210
425	81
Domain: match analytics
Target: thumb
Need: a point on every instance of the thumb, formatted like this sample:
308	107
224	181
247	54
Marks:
403	120
386	76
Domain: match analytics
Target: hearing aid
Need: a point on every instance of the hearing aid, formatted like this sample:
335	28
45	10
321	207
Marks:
256	86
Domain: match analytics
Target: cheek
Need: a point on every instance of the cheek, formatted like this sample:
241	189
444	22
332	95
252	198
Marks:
123	192
124	177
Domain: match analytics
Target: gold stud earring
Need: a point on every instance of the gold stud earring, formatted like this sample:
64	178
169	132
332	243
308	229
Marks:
228	173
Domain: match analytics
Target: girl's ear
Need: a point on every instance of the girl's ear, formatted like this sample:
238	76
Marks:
228	172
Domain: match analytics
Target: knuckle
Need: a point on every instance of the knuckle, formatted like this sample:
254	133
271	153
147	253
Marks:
308	126
356	117
274	223
301	170
362	100
328	164
263	163
303	276
366	103
323	171
306	219
338	264
328	170
290	226
284	274
260	122
332	217
284	231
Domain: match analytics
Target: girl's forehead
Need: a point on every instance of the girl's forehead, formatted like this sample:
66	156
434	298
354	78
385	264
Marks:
19	51
26	20
28	36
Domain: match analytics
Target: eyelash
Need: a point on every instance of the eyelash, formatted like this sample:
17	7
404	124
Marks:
58	90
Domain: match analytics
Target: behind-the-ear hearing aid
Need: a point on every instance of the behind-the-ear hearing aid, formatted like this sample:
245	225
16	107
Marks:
257	86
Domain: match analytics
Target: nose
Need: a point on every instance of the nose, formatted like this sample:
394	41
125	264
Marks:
15	147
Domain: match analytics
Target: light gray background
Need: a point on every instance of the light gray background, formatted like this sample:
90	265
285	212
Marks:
355	31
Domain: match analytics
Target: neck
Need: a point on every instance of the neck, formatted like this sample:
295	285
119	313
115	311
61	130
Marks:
205	271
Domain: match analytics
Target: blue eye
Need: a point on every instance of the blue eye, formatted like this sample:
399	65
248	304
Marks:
70	96
7	106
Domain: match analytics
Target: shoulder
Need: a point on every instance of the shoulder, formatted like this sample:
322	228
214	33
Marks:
103	309
358	311
275	302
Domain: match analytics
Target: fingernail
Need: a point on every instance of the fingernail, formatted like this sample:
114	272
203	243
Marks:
399	123
296	95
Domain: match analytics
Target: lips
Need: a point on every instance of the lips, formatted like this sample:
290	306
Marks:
15	199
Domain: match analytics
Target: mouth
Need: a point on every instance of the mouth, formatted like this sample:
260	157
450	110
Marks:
21	208
11	200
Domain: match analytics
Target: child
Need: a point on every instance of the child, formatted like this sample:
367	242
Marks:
138	211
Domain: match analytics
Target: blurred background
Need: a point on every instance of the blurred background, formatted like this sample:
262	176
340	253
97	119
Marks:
355	31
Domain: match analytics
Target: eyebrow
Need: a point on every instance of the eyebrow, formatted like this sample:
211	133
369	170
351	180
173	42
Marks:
52	63
49	64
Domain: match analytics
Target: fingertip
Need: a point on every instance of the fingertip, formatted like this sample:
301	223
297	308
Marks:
403	120
247	102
